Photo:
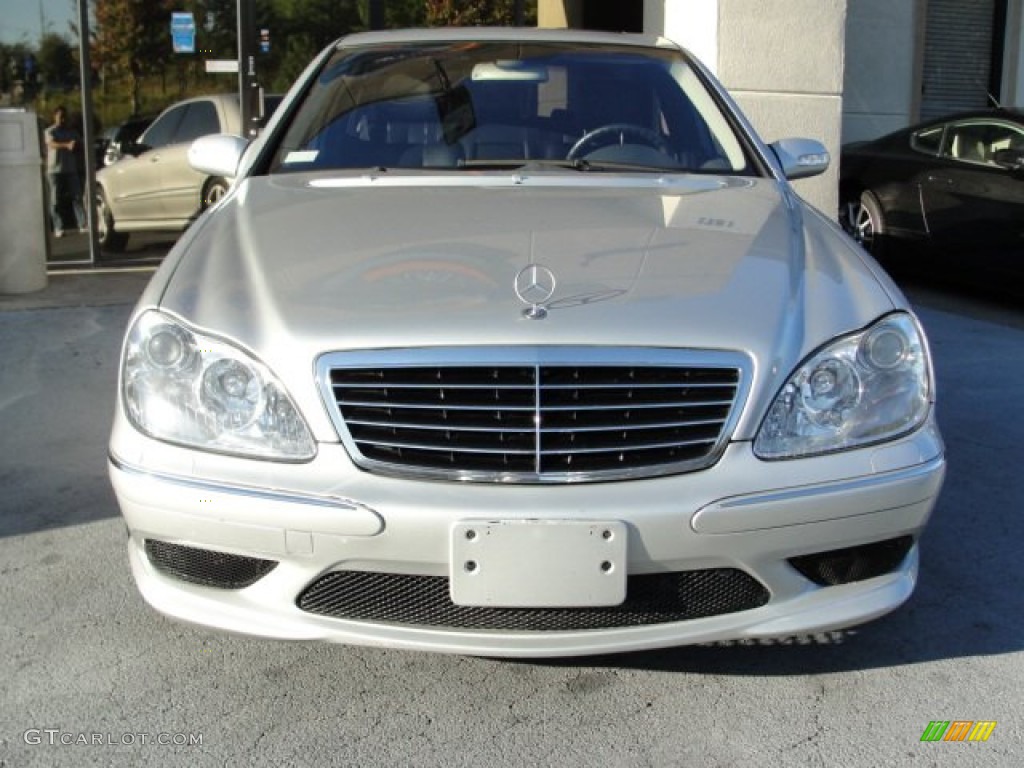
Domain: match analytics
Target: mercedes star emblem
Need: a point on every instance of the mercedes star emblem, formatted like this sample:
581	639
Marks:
535	284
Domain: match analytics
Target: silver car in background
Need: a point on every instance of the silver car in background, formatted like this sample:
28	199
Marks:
152	186
520	343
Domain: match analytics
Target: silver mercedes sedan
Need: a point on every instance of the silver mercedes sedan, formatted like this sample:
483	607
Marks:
519	343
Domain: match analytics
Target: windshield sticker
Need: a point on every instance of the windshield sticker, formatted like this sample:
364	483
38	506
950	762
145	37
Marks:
302	156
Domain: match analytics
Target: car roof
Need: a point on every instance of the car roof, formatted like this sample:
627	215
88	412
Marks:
504	34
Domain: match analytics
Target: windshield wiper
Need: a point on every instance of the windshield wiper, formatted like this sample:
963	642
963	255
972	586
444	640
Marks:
582	164
577	164
518	164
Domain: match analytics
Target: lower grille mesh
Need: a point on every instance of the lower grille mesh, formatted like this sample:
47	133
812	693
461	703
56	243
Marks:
843	566
206	567
425	601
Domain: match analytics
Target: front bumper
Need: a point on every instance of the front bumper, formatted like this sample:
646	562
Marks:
325	517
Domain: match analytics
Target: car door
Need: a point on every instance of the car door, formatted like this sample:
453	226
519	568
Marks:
133	185
182	186
969	199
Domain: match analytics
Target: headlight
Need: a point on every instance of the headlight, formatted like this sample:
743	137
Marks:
865	388
186	388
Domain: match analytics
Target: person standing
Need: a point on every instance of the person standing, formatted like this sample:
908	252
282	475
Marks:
62	173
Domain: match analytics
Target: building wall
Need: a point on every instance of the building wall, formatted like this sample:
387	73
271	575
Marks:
884	40
559	14
693	24
783	63
1013	56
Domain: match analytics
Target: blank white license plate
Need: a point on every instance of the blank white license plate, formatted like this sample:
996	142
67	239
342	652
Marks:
538	563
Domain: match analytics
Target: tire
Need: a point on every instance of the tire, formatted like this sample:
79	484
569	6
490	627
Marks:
109	238
863	220
214	190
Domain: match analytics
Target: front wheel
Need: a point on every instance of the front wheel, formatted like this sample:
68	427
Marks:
863	221
215	189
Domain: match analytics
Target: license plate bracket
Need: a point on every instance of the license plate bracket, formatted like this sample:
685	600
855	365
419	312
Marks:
538	563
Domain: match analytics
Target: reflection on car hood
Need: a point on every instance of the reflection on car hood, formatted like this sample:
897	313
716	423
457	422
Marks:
291	270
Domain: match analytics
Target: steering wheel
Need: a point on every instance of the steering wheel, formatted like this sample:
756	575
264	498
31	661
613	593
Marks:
617	133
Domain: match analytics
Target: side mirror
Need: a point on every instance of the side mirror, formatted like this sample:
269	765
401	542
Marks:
133	148
217	155
1010	159
801	158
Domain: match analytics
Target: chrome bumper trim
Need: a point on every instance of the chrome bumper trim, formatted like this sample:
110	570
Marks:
801	504
265	494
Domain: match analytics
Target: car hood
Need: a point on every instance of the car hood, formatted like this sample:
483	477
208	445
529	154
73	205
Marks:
291	267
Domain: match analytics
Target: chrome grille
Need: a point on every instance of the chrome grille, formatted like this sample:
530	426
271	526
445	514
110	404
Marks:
536	421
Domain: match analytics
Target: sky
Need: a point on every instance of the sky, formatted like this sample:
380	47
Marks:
19	19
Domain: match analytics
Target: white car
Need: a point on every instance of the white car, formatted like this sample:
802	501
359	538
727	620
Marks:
519	343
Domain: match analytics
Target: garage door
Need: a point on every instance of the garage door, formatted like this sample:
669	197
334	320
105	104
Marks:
960	40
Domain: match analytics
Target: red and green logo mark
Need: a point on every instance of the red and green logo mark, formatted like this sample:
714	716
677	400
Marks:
958	730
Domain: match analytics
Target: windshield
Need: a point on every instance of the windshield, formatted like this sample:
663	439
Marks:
471	105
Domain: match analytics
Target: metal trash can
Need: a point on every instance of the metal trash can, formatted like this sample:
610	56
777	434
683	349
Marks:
23	236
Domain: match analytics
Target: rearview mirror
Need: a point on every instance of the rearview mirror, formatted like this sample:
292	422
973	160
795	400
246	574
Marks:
133	148
217	155
801	158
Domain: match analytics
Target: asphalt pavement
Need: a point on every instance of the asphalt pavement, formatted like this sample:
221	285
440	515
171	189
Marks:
89	675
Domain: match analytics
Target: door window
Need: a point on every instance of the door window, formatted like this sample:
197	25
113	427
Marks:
161	133
200	120
978	142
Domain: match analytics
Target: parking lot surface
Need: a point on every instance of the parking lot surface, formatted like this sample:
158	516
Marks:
89	675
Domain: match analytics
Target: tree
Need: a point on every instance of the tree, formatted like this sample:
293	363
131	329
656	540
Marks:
56	61
132	39
304	28
404	13
217	28
474	13
8	69
14	77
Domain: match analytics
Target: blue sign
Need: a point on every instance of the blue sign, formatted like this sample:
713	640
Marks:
183	32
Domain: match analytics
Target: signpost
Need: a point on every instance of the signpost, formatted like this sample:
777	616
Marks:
183	32
248	88
85	72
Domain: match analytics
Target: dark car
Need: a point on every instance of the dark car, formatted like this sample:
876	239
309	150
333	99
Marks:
950	184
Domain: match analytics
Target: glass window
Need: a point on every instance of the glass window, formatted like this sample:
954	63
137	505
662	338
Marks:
200	120
978	141
508	104
161	132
